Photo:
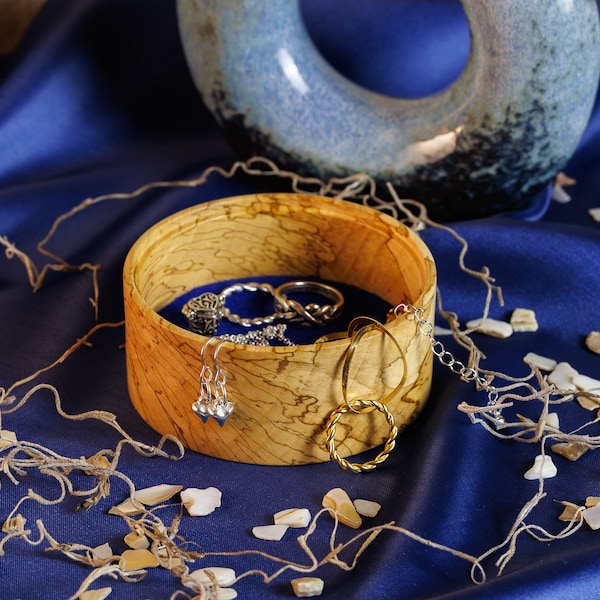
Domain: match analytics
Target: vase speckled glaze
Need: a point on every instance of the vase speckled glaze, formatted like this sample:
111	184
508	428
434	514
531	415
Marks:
487	143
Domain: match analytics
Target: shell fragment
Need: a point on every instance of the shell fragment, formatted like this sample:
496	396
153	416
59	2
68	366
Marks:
136	540
541	362
586	384
222	576
102	552
543	467
7	438
226	594
569	450
307	587
293	517
523	319
127	507
366	508
201	502
570	512
592	516
552	420
156	494
272	533
491	327
595	214
132	560
339	501
562	377
592	341
560	195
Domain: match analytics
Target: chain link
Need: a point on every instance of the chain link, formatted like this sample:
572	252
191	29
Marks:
446	358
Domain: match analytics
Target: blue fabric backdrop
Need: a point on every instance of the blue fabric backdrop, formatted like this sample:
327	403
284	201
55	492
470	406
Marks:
97	99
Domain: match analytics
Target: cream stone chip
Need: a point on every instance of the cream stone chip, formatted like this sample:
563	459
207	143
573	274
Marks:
201	502
293	517
307	587
338	500
132	560
272	533
222	576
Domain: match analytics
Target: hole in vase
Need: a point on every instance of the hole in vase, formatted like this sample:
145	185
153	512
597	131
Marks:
400	48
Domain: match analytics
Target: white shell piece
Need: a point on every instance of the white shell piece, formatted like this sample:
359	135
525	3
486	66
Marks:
562	377
552	420
99	594
560	195
491	327
586	384
293	517
307	587
226	594
338	500
201	502
366	508
523	319
156	494
224	576
102	552
7	438
272	533
542	467
543	363
438	331
591	501
595	214
592	516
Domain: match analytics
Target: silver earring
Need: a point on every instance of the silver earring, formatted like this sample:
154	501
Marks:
220	408
202	406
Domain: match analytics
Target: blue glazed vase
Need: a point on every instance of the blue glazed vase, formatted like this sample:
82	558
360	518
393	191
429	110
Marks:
489	142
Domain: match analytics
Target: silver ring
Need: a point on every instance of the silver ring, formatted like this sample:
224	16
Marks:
247	287
204	313
317	314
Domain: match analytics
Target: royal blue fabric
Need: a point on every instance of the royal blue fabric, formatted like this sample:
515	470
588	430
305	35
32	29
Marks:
97	99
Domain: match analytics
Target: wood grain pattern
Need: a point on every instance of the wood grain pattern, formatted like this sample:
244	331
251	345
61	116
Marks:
283	396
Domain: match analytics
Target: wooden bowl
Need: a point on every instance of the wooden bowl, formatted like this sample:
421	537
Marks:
283	395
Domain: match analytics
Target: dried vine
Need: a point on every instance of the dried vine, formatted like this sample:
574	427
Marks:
174	552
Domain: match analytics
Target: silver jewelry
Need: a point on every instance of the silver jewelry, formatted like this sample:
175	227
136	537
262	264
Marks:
316	314
260	337
204	312
447	359
212	400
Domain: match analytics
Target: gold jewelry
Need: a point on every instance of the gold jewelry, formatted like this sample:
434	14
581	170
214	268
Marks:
357	328
355	405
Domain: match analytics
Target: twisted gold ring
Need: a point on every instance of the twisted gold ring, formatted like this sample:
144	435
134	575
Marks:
358	406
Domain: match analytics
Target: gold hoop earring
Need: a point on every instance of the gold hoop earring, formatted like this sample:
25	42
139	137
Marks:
357	329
